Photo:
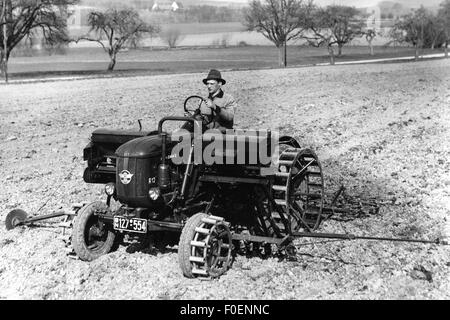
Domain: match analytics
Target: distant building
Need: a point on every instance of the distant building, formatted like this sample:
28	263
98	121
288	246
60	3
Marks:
167	6
78	16
374	18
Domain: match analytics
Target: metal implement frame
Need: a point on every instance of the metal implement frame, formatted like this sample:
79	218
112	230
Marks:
31	220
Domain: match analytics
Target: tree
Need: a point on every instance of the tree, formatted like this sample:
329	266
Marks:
21	18
116	27
444	17
433	31
334	25
171	35
411	29
370	35
279	21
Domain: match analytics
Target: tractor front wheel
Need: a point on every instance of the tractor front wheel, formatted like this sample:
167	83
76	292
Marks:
91	238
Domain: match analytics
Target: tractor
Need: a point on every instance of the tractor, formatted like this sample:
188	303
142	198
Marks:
209	209
260	193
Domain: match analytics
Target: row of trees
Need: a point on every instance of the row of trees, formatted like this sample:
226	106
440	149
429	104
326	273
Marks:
22	19
335	26
112	28
424	29
278	20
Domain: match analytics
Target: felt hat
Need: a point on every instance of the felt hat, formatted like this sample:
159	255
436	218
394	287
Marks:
214	75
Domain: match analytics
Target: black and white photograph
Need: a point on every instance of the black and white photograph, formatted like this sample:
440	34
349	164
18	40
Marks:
224	154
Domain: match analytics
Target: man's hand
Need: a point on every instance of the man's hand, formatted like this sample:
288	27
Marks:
210	104
204	108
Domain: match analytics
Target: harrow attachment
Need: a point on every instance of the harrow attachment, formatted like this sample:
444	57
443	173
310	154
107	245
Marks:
19	217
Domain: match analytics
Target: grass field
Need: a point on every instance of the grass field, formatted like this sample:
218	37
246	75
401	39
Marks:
94	61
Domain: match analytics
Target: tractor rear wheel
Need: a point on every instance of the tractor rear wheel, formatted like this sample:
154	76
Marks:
205	246
299	190
90	237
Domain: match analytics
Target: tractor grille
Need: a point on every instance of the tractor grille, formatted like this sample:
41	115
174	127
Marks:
132	180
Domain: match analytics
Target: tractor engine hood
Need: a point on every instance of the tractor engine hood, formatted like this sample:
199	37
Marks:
137	169
144	147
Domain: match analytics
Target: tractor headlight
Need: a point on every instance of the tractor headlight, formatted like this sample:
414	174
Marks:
110	188
154	193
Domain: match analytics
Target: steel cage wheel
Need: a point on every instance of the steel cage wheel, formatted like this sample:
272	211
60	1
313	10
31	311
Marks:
205	246
90	237
298	189
307	191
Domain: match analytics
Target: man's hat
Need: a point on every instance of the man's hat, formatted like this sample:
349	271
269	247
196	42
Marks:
214	75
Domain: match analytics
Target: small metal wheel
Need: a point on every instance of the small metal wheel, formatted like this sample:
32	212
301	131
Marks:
90	237
291	251
15	218
205	246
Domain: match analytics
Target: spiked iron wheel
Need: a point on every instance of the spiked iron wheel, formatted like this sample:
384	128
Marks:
298	190
205	246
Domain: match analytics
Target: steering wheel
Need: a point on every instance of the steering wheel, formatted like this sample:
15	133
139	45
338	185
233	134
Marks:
193	108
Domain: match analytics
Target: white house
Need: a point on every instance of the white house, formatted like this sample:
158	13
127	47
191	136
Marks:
166	6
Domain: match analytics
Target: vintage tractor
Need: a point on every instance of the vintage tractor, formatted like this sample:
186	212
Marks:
259	194
216	208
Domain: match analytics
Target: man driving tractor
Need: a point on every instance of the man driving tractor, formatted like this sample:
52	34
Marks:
219	105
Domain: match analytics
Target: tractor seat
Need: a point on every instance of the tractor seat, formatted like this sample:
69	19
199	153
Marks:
117	136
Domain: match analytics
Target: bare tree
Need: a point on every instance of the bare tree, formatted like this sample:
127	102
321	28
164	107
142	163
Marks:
4	54
434	30
396	37
115	27
370	35
334	25
20	18
443	17
279	21
171	36
411	29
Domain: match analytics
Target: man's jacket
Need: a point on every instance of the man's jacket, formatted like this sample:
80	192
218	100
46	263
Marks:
227	107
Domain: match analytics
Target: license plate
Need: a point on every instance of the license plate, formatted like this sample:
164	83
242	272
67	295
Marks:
130	224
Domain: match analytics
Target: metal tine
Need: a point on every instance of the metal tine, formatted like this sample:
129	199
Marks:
200	271
202	230
209	220
216	218
197	259
198	244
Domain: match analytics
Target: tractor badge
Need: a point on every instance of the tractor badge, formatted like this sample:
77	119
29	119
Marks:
125	177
